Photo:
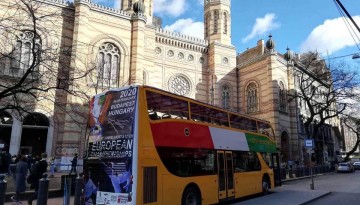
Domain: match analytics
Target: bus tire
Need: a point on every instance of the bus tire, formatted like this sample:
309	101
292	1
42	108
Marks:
191	196
265	185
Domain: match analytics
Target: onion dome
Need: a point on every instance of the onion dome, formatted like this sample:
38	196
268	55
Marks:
288	55
139	7
270	44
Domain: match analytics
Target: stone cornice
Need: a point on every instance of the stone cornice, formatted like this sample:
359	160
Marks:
216	43
139	16
61	3
253	60
210	2
181	37
104	9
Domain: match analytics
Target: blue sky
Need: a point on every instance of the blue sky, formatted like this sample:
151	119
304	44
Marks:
301	25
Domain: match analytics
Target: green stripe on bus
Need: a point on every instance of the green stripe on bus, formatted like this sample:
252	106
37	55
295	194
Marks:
260	144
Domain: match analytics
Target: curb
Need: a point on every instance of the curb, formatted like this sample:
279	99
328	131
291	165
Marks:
306	177
327	193
54	193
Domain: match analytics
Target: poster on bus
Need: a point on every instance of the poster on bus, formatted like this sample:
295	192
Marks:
111	139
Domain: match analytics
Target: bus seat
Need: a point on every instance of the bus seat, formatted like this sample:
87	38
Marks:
153	115
166	116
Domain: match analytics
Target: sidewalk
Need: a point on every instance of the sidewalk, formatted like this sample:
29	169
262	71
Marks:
54	195
283	195
52	201
286	195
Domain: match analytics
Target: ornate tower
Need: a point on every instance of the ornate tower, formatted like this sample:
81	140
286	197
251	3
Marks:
127	5
221	53
217	21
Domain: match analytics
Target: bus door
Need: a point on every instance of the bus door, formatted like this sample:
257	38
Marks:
275	164
225	175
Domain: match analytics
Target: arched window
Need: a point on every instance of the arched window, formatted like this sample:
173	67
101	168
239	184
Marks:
216	18
22	55
225	96
108	65
225	23
252	98
144	78
207	24
282	98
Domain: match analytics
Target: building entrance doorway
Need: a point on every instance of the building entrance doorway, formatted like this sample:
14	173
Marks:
34	134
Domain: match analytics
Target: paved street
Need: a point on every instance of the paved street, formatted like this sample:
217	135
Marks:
334	188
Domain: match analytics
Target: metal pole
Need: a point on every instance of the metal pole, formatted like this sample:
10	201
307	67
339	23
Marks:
312	180
3	184
311	170
43	190
67	190
78	188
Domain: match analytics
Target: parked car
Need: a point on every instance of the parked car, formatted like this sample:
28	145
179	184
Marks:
345	167
356	165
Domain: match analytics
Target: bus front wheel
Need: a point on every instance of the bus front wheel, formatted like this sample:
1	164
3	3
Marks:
265	185
191	196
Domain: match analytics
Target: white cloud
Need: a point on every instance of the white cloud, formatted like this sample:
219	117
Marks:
187	27
329	37
262	26
171	7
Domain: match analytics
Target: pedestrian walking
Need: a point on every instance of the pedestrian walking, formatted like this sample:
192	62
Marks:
52	166
12	166
74	164
30	161
89	190
37	171
20	177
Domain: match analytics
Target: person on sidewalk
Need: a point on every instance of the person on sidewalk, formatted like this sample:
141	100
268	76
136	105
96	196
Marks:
52	166
90	190
38	169
20	177
30	161
74	164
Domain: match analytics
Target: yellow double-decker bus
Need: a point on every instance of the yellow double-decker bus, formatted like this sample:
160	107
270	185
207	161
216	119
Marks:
149	146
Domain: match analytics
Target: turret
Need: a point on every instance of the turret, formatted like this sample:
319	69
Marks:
217	21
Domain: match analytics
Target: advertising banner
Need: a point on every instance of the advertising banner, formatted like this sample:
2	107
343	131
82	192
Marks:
108	170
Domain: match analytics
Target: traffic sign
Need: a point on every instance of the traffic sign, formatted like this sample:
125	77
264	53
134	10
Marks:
309	143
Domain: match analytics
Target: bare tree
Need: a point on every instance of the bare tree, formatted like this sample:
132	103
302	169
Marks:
36	62
353	125
321	89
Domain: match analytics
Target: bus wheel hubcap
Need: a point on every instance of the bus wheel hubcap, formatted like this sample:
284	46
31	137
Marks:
191	199
265	186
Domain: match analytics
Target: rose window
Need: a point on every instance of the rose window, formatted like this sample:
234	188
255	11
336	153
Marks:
179	85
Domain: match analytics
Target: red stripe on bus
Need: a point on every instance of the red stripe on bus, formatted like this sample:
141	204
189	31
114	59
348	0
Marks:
175	134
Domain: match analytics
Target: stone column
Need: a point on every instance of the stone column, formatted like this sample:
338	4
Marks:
137	46
49	139
15	136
